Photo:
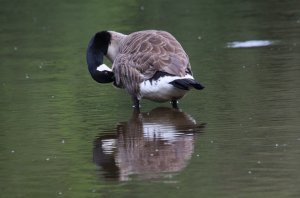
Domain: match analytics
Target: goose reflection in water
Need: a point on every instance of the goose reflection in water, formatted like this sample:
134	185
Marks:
149	145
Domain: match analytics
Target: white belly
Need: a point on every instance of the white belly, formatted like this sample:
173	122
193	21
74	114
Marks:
161	90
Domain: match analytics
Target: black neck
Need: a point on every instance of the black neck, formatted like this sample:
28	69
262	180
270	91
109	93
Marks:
96	50
94	57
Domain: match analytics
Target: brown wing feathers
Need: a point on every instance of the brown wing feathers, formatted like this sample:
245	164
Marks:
144	53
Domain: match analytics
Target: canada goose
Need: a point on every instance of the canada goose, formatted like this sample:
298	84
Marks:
147	145
148	64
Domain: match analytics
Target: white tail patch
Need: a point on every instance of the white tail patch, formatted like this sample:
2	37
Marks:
103	67
161	90
153	131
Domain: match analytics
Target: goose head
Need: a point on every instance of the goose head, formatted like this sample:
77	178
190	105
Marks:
97	49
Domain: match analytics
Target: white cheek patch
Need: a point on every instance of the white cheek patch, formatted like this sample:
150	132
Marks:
103	67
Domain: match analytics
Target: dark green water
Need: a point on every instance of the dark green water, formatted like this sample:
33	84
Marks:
63	135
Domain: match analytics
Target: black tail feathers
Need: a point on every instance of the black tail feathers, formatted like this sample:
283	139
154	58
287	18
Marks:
186	84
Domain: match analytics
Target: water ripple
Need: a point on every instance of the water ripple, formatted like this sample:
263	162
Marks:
250	43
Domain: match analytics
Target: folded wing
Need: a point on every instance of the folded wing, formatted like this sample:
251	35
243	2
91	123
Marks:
144	53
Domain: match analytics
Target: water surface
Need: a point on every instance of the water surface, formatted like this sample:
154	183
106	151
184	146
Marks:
63	135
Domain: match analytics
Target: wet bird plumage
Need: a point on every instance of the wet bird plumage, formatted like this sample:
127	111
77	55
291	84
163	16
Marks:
148	64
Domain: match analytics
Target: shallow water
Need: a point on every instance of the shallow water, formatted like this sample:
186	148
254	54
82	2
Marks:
63	135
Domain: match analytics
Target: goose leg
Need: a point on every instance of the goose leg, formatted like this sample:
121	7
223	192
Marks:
136	102
174	104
